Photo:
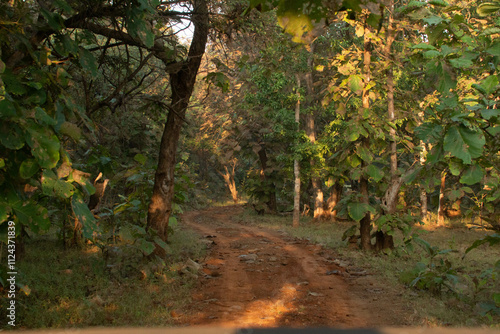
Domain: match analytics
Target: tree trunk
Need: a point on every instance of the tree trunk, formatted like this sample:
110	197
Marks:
182	84
423	193
311	133
383	240
296	168
230	182
365	223
441	209
331	212
271	192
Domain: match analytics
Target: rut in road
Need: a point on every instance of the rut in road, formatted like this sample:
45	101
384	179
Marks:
257	277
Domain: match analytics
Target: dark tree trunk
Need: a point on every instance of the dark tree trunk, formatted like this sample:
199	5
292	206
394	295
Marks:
365	225
331	212
271	192
182	84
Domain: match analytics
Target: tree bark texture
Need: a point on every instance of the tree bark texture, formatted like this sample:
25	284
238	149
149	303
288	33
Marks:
441	208
268	184
365	223
230	182
311	133
383	240
335	195
296	167
182	84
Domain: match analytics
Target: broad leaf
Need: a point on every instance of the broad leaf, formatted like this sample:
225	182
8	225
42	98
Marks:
464	143
358	210
88	61
44	145
375	172
28	168
84	215
35	216
472	175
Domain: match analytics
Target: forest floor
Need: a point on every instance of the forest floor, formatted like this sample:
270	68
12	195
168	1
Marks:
253	277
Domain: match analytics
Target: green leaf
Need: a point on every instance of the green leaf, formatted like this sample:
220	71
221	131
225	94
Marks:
489	113
495	48
88	61
487	8
439	3
49	179
11	136
163	245
54	20
84	215
489	84
71	130
374	172
472	175
356	83
462	62
364	154
147	247
35	216
423	46
140	158
429	132
358	210
433	20
44	145
63	189
7	109
464	143
492	239
431	54
28	168
43	118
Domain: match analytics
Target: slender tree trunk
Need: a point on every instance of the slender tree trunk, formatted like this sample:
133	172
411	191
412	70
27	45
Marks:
331	212
182	84
271	203
423	193
383	240
311	133
296	168
230	182
365	223
440	220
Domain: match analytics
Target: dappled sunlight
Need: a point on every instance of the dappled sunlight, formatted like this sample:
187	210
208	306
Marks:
266	313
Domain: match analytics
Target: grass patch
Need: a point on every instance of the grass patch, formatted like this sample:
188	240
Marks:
463	307
83	287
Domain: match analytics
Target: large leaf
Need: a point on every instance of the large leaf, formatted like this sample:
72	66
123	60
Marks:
7	108
84	215
88	61
28	168
472	175
356	83
428	132
358	210
487	8
44	145
35	216
63	189
489	84
11	136
464	143
375	172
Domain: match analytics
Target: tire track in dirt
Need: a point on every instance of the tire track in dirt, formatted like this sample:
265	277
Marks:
255	277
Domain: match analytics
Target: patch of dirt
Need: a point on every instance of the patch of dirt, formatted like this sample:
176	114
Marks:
254	277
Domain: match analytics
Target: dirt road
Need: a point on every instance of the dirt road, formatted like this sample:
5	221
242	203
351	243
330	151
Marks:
256	277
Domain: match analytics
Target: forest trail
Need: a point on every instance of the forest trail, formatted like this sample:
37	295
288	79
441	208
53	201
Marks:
255	277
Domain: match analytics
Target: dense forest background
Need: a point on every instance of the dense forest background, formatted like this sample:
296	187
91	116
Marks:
380	113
